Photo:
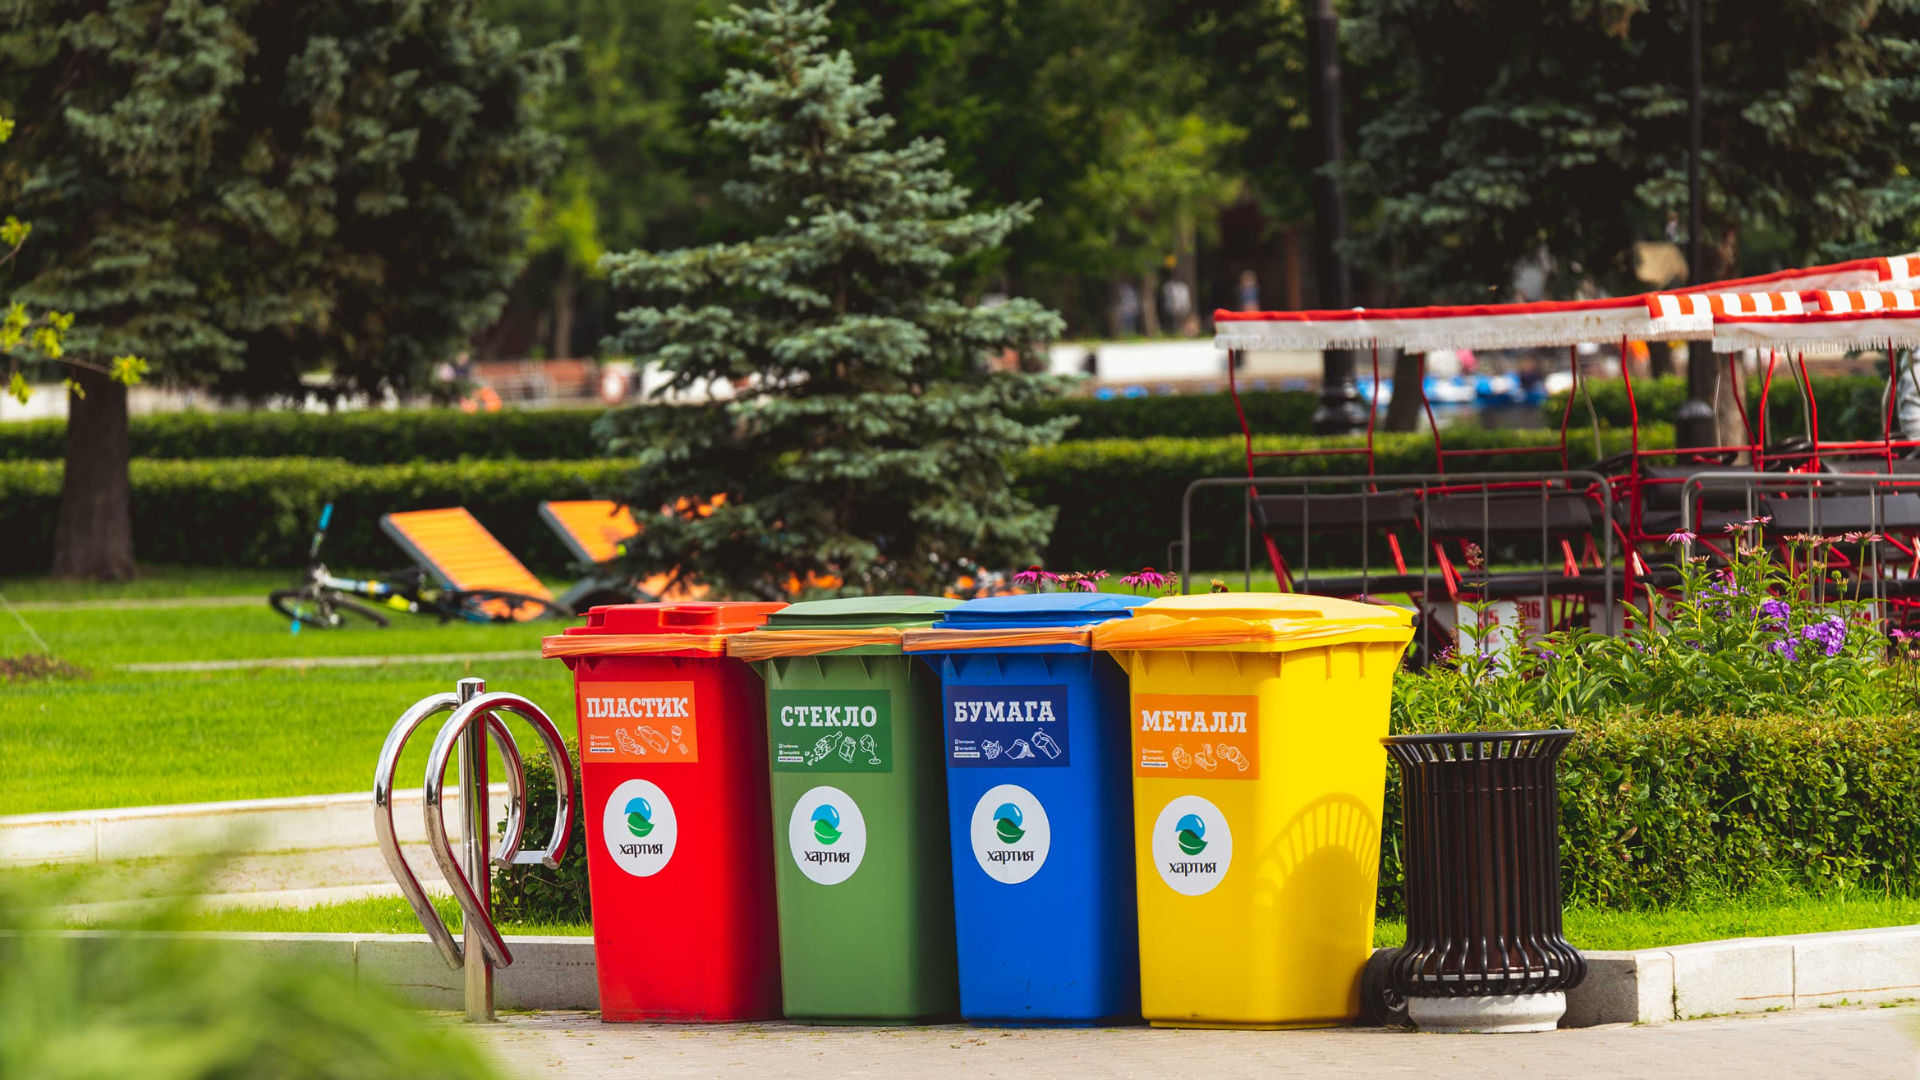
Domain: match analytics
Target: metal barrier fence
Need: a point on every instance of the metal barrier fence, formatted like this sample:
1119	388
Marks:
1427	503
1891	503
475	713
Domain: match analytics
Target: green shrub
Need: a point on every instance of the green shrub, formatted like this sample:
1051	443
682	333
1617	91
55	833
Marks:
400	435
261	512
1182	416
1663	809
1851	406
534	893
367	438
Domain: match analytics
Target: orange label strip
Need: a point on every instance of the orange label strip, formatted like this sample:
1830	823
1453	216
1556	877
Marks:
637	722
1197	736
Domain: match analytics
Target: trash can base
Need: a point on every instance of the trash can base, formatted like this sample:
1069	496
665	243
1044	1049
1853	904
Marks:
1230	1025
1488	1015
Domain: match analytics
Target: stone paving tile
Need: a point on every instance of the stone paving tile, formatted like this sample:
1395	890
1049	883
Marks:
1856	1044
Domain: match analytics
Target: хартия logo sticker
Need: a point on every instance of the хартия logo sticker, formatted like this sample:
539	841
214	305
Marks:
827	835
640	828
1011	834
1192	845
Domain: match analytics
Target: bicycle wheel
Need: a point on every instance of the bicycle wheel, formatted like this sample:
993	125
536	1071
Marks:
325	611
499	605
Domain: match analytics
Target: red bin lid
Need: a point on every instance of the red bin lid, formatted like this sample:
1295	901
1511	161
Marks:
678	617
690	628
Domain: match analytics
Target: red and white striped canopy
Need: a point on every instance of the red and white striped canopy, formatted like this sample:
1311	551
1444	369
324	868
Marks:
1832	320
1646	317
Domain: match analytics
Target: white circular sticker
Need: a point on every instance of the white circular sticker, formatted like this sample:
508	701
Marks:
1011	835
1192	845
827	835
640	828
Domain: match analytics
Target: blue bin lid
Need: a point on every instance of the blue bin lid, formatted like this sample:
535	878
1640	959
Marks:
1040	609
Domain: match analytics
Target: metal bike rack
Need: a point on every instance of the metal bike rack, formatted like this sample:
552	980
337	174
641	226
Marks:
475	713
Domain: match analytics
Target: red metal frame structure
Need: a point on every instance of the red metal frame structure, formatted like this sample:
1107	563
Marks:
1690	314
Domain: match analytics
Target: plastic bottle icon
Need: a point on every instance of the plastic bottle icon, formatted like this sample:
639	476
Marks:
627	745
1204	758
1019	750
1231	754
1182	758
653	738
1044	743
846	749
872	748
820	750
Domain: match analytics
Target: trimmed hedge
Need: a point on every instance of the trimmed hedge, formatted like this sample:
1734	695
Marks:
1653	811
384	438
1851	406
261	511
368	438
1658	810
1119	499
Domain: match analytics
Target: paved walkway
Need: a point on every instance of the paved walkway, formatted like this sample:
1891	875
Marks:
1857	1044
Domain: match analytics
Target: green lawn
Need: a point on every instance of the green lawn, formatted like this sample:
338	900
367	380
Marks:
138	740
154	582
1587	929
1596	929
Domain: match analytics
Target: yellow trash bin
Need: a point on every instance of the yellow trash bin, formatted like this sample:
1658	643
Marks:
1257	781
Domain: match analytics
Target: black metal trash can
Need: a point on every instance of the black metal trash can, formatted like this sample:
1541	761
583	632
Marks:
1481	846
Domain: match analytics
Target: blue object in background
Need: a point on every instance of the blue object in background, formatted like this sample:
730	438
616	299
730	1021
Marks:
1040	805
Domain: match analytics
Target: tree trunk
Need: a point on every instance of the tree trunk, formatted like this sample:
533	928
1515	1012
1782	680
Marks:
1727	406
94	535
1403	409
1659	359
1149	305
563	295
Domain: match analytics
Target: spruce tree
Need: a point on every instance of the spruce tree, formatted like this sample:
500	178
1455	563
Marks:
856	431
253	194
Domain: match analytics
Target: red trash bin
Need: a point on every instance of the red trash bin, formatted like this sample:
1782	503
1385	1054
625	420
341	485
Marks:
673	753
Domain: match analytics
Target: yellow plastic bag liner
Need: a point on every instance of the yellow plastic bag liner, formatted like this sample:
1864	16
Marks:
1264	622
768	644
632	644
949	640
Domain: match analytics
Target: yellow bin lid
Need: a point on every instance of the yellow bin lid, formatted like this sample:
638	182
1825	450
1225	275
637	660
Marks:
1263	622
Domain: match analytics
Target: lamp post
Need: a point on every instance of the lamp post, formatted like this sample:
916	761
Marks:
1695	424
1341	409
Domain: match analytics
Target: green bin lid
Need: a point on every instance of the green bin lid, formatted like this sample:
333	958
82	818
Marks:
861	613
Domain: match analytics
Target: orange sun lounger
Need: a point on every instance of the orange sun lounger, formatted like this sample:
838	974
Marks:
594	531
456	549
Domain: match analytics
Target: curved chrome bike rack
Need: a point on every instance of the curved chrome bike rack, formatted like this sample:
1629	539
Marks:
475	714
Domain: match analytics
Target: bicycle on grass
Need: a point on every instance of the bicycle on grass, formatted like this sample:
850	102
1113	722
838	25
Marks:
323	601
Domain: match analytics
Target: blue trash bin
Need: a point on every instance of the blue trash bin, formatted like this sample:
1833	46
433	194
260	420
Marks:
1040	804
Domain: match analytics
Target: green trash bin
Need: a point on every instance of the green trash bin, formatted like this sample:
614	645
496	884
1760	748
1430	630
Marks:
862	872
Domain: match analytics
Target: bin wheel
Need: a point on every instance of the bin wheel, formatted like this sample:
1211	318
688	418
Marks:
1380	1005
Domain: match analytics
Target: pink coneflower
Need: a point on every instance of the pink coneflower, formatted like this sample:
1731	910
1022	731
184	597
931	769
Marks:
1681	536
1033	575
1145	578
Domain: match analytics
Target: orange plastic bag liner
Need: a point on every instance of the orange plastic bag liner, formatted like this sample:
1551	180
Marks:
633	644
1262	622
930	640
769	644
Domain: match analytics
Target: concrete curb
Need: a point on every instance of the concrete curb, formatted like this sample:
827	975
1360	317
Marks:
248	826
1650	986
1740	975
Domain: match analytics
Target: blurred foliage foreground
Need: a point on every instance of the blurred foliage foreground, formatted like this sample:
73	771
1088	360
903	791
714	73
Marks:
163	1006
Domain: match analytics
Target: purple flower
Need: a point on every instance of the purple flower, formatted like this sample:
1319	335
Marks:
1900	635
1784	647
1776	609
1146	577
1830	634
1681	536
